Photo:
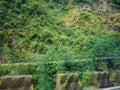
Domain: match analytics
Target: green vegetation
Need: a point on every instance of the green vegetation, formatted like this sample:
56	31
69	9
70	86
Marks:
33	27
56	30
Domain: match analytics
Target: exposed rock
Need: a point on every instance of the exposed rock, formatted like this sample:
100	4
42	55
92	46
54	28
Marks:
87	7
112	27
102	5
98	5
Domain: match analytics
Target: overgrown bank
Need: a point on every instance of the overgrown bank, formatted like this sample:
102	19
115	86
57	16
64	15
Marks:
56	30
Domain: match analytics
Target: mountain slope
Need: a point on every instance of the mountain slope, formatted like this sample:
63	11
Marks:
57	30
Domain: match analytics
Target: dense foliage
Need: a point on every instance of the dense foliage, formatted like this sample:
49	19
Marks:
56	30
37	27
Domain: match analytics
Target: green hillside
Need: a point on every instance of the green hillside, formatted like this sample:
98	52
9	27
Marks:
58	30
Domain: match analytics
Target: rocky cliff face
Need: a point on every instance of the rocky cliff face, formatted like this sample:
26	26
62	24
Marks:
99	5
102	5
109	13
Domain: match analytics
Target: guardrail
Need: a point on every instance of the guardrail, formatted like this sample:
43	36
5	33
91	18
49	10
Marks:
62	61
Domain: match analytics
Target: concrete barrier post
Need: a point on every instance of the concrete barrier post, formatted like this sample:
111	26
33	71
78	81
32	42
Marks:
117	77
20	82
101	79
68	82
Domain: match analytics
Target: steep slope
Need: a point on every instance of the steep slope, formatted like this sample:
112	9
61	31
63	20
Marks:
57	30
